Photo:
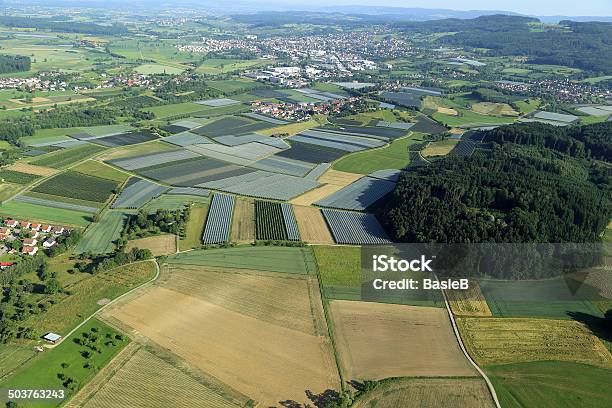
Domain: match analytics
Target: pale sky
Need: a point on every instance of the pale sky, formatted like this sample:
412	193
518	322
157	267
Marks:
533	7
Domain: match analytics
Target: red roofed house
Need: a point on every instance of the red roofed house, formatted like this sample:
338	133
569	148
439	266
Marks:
11	223
25	224
29	242
35	227
45	228
58	230
30	250
4	232
4	265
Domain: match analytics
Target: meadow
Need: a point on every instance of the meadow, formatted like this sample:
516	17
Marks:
33	212
551	384
394	156
72	364
100	236
63	158
274	259
194	228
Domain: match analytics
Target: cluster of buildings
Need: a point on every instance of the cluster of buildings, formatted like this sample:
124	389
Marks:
45	81
248	44
301	111
32	236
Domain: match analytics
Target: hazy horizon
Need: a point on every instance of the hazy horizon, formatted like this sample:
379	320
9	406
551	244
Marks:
593	8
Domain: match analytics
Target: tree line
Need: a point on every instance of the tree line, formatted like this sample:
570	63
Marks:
509	193
14	63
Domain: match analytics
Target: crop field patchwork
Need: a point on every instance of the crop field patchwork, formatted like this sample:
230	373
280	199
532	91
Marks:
359	195
355	228
57	202
377	341
60	159
124	139
511	340
266	340
78	185
193	172
31	169
311	153
428	393
219	221
16	177
269	221
333	181
100	236
243	222
138	193
149	160
312	226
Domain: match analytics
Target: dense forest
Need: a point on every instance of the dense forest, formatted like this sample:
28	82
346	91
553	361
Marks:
62	26
14	63
543	190
574	44
592	141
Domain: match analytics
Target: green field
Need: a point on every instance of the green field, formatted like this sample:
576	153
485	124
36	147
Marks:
77	185
339	266
95	168
61	199
550	298
52	368
33	212
152	69
8	190
394	156
105	130
467	117
99	237
63	158
273	259
194	228
175	109
551	384
528	106
17	177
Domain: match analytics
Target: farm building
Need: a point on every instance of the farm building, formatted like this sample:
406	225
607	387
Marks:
52	337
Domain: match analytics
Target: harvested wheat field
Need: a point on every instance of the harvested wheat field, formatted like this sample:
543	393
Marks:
32	169
428	393
512	340
312	226
447	111
470	302
158	244
377	341
141	379
245	332
333	180
282	299
243	223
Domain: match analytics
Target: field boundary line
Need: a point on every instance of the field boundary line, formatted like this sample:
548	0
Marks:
467	355
112	302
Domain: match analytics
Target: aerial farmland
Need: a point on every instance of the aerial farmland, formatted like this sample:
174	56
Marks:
193	202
